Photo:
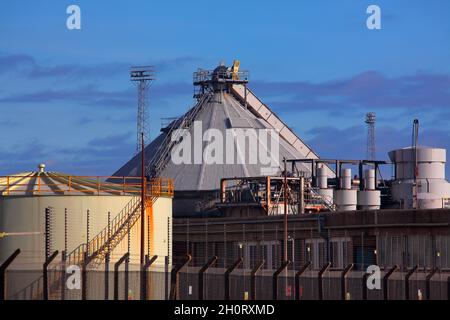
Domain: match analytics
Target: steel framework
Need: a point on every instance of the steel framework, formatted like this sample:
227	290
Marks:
370	121
143	76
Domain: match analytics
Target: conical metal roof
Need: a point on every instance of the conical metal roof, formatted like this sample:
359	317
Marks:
35	183
223	110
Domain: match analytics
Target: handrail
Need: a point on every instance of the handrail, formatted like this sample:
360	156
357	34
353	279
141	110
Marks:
69	184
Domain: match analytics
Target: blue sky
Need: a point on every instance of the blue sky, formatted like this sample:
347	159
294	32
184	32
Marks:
66	98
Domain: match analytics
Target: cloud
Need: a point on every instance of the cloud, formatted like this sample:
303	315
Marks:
90	95
99	156
30	68
350	143
367	90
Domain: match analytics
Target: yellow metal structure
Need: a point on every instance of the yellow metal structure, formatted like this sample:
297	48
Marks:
235	70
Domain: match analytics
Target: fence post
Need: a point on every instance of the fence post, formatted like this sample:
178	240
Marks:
145	267
428	283
84	276
3	268
166	278
344	280
275	279
63	275
320	279
116	274
386	282
45	272
253	280
174	277
297	279
448	288
364	285
107	260
407	276
229	270
200	276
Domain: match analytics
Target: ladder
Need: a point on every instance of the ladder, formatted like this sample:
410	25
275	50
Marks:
159	160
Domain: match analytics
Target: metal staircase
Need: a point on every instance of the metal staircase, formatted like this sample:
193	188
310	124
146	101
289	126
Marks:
173	136
105	241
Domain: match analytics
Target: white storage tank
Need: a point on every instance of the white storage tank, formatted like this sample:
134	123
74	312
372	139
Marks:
369	198
433	191
345	198
25	196
322	184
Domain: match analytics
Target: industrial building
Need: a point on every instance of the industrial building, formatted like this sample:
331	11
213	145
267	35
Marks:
272	208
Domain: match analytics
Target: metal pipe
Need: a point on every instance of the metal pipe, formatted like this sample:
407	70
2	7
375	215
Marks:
275	279
301	209
142	200
285	212
45	273
229	270
3	268
297	279
200	276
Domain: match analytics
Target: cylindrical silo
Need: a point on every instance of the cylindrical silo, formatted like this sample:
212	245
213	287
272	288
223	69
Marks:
369	198
345	198
23	201
431	188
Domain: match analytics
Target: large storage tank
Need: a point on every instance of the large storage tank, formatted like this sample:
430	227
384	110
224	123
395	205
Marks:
433	191
24	198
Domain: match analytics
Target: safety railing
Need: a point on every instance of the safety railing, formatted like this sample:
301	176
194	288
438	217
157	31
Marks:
52	183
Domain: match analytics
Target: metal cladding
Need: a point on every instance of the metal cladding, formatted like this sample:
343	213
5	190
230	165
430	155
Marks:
432	190
223	110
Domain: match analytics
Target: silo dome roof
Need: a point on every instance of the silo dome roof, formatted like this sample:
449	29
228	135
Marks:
54	183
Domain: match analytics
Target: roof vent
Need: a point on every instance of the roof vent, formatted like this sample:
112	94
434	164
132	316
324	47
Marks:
41	167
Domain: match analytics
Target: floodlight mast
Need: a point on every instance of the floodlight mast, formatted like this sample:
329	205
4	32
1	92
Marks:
143	76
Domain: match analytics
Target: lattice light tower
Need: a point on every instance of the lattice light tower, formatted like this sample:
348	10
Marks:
143	76
370	121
